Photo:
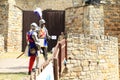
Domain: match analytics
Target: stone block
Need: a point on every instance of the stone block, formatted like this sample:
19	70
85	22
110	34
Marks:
82	73
77	69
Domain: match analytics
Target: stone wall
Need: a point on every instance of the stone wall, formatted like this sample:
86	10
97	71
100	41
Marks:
79	20
92	55
74	20
3	23
1	44
44	4
93	20
10	26
112	22
92	58
14	28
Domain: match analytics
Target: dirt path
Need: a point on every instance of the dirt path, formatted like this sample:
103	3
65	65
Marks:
12	65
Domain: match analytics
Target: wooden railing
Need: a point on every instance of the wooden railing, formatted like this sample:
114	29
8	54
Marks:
59	58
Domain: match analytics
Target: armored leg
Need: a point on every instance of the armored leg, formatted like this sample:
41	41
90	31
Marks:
37	59
31	62
45	53
37	62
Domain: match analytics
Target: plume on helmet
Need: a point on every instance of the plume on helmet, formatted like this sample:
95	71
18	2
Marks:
39	12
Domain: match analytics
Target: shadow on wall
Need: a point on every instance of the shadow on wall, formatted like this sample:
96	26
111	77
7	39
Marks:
92	1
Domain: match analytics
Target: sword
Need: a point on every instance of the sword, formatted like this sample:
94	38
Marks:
26	51
20	55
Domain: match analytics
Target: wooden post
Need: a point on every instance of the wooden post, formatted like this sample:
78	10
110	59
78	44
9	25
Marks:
55	68
60	59
66	49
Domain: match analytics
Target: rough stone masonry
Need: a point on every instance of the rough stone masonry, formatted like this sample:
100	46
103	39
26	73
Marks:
93	56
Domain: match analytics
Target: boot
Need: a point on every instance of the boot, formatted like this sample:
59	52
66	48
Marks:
29	72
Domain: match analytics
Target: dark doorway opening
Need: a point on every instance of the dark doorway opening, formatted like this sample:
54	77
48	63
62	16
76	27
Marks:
55	23
28	18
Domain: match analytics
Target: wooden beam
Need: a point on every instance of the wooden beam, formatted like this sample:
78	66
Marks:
55	69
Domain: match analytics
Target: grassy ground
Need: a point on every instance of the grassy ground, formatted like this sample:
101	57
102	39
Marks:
9	76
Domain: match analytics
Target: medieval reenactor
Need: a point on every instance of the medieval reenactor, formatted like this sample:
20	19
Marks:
38	12
43	37
31	40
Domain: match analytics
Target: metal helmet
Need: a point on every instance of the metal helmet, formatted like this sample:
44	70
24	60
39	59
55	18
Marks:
42	21
34	24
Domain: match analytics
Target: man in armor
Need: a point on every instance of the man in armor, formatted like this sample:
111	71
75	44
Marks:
43	36
32	38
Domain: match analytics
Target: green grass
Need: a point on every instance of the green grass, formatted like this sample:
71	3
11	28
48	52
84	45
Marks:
13	76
